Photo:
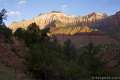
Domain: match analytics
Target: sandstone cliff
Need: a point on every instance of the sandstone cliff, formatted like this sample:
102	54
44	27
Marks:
43	20
110	25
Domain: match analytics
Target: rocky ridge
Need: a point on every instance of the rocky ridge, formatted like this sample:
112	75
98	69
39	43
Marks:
46	19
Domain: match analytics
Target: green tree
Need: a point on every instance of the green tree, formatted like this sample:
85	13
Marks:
3	16
6	32
44	61
20	33
92	65
69	50
32	34
33	28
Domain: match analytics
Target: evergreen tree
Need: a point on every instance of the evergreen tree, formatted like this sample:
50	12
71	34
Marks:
6	32
69	50
92	65
20	33
3	16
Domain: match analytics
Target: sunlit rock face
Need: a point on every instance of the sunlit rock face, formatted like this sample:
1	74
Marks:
43	20
22	24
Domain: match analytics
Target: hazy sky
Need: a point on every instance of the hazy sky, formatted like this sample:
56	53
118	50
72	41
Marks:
26	9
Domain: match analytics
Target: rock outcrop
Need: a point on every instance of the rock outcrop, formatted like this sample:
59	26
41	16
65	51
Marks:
43	20
110	25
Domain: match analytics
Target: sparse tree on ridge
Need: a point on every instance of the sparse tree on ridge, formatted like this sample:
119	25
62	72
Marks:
3	16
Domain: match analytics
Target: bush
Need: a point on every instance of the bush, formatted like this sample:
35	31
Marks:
6	32
20	33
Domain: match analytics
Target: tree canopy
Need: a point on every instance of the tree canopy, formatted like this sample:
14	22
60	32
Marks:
3	16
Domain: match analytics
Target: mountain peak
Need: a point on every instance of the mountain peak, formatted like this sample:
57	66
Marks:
97	14
45	19
118	13
56	12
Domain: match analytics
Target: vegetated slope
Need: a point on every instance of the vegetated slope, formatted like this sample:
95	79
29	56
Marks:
11	58
82	39
51	60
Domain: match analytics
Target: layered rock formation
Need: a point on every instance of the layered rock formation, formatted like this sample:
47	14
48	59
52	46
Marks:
110	25
62	24
43	20
70	30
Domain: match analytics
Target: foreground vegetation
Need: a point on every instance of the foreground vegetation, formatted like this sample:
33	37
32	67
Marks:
49	60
